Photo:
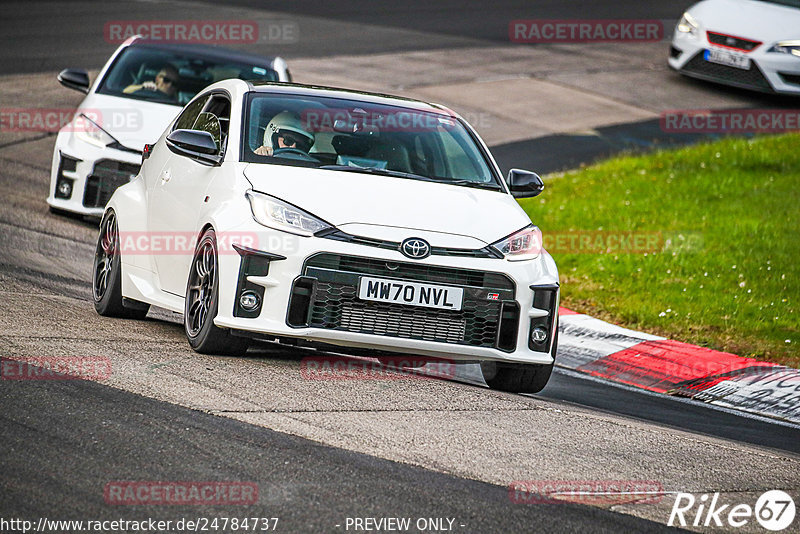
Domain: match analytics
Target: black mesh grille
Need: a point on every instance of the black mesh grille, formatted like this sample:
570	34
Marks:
107	176
730	41
335	304
751	78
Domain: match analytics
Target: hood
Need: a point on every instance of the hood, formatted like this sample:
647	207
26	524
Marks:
131	122
750	19
355	199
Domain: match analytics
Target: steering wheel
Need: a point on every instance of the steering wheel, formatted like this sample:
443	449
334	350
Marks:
155	94
148	92
293	153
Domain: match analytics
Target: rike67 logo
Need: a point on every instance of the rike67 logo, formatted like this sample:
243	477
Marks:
774	510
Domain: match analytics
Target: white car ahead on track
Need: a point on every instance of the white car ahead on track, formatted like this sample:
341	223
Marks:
137	93
753	44
336	217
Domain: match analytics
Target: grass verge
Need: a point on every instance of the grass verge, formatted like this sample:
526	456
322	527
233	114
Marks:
700	244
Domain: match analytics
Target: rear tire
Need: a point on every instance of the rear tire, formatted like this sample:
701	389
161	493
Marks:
107	275
202	290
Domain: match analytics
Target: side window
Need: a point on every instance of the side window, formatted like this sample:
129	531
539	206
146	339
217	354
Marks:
189	115
215	119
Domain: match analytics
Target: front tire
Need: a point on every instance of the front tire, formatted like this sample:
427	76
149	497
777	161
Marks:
520	378
107	275
202	291
516	377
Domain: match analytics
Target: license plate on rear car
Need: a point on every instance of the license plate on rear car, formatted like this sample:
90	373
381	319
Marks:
723	57
410	293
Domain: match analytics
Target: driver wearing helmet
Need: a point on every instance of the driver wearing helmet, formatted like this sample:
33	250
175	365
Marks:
285	131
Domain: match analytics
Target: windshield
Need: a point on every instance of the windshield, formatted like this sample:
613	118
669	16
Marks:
357	136
147	73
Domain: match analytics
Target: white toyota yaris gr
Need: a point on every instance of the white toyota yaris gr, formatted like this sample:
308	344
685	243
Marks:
325	216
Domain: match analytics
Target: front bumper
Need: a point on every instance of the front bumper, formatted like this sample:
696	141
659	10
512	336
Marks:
307	289
93	174
769	72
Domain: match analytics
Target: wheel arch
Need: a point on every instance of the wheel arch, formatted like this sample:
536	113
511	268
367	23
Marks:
129	202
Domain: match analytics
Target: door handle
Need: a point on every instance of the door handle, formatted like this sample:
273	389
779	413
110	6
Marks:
165	176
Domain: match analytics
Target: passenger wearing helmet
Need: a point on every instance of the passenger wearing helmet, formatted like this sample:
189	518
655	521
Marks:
285	131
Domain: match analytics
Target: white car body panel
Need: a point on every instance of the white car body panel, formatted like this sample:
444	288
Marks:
131	122
397	202
446	215
747	19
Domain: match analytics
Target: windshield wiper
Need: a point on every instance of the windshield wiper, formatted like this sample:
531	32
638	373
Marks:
374	170
470	183
400	174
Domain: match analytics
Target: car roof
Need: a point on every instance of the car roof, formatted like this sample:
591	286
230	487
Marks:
206	51
347	94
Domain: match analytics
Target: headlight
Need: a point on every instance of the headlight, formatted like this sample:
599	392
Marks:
88	130
523	245
786	47
281	215
688	24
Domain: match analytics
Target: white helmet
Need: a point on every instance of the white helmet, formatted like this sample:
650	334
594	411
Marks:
288	125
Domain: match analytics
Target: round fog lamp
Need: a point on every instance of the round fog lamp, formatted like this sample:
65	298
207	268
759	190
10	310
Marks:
65	188
249	300
538	335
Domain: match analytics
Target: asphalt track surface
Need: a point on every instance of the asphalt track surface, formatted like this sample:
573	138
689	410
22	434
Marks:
54	470
62	441
32	30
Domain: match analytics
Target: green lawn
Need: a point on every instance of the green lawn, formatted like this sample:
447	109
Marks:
724	220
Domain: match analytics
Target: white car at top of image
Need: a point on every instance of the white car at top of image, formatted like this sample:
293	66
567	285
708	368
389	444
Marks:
751	44
136	94
333	217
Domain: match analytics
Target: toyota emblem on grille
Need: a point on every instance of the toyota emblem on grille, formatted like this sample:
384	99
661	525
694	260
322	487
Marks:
415	248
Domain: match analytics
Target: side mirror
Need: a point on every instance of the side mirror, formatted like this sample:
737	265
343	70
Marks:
524	184
77	79
195	144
